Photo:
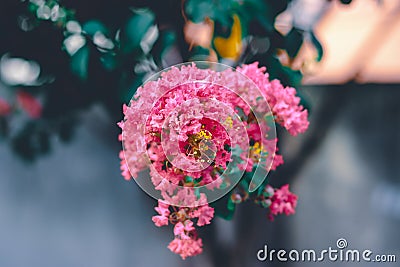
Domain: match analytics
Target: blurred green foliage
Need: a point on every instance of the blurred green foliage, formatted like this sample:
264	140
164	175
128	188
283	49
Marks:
99	52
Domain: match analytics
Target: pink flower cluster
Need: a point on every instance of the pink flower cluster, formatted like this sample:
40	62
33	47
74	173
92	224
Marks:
283	100
185	128
282	201
186	242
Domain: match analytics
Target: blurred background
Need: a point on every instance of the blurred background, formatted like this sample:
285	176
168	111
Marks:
66	67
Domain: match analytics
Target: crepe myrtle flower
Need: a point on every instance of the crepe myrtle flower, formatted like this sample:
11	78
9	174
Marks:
283	201
186	242
277	200
202	122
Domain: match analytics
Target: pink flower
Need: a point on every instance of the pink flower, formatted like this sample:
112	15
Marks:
163	217
183	229
160	220
163	208
278	160
5	108
29	104
204	214
283	201
124	166
186	247
283	100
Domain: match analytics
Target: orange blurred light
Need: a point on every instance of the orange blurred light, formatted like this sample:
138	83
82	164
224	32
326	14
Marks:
361	42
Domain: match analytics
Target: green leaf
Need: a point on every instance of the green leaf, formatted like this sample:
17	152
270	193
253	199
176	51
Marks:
317	46
80	61
223	30
93	26
244	182
198	10
291	77
219	11
135	29
162	45
199	53
230	205
266	16
228	215
254	6
224	207
229	212
109	61
286	75
260	190
32	7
